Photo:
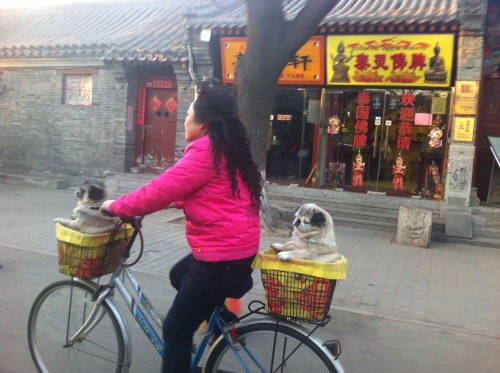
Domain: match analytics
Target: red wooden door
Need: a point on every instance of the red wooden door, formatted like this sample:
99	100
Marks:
157	146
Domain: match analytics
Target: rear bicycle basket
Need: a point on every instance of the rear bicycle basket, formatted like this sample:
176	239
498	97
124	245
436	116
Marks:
299	289
89	256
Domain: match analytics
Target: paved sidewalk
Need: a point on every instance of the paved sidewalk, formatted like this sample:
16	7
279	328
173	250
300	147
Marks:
453	286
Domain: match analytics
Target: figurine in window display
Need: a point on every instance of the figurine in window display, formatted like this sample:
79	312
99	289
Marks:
436	134
358	168
399	171
334	125
336	171
432	182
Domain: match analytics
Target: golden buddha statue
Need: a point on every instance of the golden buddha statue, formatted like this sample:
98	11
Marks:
340	68
437	72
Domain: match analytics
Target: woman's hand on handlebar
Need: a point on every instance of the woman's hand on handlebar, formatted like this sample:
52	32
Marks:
105	207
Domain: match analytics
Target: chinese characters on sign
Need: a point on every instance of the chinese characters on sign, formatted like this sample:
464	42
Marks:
464	129
410	60
362	115
141	106
306	67
160	84
439	103
406	120
466	97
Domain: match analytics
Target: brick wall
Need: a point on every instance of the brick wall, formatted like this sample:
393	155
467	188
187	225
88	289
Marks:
40	133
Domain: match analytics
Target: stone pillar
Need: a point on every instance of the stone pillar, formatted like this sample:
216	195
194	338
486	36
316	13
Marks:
469	62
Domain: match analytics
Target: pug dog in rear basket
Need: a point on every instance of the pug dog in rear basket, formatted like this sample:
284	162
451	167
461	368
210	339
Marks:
312	238
86	217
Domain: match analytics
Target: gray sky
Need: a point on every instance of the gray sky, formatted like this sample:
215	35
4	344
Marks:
40	3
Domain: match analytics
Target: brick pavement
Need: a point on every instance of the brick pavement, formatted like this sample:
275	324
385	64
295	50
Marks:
450	285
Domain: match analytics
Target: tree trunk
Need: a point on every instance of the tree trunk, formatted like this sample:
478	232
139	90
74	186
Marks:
271	42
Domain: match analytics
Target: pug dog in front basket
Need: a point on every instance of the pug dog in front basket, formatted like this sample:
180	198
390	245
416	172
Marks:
86	217
313	237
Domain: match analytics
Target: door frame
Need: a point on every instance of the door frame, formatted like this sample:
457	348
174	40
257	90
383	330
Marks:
162	82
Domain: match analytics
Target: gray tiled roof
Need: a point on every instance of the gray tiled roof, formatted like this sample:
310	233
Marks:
231	13
152	30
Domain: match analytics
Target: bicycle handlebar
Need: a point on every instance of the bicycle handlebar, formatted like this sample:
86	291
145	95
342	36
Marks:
131	220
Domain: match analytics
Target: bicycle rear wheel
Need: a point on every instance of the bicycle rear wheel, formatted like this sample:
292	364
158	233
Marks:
267	347
57	313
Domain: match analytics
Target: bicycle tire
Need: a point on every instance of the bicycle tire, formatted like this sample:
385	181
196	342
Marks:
51	318
258	338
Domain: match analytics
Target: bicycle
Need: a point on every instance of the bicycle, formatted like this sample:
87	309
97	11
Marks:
76	325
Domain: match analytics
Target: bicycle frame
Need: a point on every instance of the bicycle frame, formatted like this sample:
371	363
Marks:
143	310
105	293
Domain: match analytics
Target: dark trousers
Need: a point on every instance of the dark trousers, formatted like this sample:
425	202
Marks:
201	286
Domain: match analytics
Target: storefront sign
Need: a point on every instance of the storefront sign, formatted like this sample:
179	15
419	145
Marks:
406	120
464	128
285	117
162	84
362	115
466	97
306	67
423	60
439	104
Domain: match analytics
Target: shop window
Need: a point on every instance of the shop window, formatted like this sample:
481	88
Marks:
77	90
399	135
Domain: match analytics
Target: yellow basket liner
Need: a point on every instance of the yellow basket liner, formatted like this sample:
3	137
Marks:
69	235
89	256
267	259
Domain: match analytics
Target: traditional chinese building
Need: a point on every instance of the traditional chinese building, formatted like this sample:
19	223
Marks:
94	87
380	79
98	87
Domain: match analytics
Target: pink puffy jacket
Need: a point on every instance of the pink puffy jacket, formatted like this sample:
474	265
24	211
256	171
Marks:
219	226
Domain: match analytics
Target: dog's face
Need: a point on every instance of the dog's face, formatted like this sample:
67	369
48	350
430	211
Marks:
310	218
92	191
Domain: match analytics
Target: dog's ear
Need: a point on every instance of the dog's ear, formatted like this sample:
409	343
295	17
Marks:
318	218
96	193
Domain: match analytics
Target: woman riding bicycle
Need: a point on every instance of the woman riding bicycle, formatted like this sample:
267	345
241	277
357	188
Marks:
218	185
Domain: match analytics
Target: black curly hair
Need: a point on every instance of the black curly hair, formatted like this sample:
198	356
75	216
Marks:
216	107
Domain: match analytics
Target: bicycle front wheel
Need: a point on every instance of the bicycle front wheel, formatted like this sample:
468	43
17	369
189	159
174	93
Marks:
57	313
268	347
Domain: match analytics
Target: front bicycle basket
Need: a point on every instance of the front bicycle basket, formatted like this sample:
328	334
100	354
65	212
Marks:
89	256
299	289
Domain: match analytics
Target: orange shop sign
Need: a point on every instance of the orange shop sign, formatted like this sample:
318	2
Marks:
423	60
307	67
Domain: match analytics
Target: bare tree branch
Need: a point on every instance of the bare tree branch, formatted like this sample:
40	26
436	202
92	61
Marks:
306	22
